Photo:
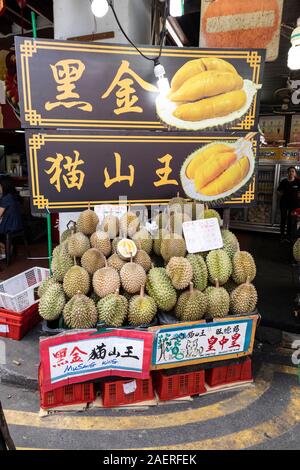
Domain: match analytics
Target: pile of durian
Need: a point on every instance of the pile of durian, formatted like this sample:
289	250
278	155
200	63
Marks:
93	282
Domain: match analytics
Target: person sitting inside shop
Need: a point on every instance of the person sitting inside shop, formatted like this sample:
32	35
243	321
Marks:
288	189
10	210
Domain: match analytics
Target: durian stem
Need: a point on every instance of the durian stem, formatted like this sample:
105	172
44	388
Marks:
117	292
205	207
89	205
177	195
142	293
217	283
248	280
191	287
74	258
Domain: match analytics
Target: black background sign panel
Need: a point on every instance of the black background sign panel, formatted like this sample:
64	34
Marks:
71	84
70	169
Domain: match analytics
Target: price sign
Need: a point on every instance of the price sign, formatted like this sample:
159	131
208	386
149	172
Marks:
202	235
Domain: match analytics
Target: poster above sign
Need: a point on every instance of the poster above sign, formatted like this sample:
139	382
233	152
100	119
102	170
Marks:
70	84
247	23
69	170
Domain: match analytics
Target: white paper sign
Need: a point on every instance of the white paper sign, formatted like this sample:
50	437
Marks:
202	235
130	387
4	328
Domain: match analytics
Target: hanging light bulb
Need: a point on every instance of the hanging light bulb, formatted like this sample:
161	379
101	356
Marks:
176	7
162	82
99	8
294	52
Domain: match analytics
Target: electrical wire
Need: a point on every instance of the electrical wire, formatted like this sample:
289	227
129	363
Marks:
163	33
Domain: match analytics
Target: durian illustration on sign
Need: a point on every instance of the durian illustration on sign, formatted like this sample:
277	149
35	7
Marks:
217	170
206	93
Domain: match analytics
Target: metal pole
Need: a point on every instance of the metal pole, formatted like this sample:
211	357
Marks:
34	33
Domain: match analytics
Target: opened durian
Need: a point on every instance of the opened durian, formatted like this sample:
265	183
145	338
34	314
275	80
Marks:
80	312
200	273
52	302
92	260
129	224
133	277
160	288
142	309
219	266
101	241
78	244
76	280
106	281
180	272
243	267
112	309
191	305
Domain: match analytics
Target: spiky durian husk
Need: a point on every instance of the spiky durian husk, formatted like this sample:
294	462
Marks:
243	299
101	241
76	280
200	273
244	267
191	305
160	288
112	310
143	240
52	302
78	244
219	266
80	312
133	277
180	272
106	281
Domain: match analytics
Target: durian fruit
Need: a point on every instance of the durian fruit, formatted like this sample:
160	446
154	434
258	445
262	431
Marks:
219	266
66	234
43	287
92	260
61	263
296	250
78	244
106	281
197	210
243	267
76	280
87	222
160	288
161	220
129	224
176	221
217	301
80	312
143	240
159	236
230	285
180	272
143	259
200	273
177	203
172	245
191	305
114	261
62	248
142	309
133	277
52	302
113	309
114	244
101	241
230	242
211	213
243	299
110	224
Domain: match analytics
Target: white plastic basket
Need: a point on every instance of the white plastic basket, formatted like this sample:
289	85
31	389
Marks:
17	293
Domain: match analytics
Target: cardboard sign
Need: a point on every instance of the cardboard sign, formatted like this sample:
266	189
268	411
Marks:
67	171
78	357
197	342
65	84
202	235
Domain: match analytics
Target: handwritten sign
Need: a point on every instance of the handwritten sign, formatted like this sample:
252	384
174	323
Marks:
202	235
197	342
79	357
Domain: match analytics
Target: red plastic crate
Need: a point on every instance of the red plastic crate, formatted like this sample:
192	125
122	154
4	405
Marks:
113	392
169	387
246	372
74	394
18	324
216	376
234	373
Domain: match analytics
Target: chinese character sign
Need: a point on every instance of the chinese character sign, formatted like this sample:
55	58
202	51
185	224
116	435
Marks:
72	84
202	342
68	170
83	356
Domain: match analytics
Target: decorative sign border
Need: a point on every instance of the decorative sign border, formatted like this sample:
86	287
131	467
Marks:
250	320
32	118
36	140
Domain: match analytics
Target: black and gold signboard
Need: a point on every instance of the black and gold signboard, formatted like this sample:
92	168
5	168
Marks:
70	169
66	84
